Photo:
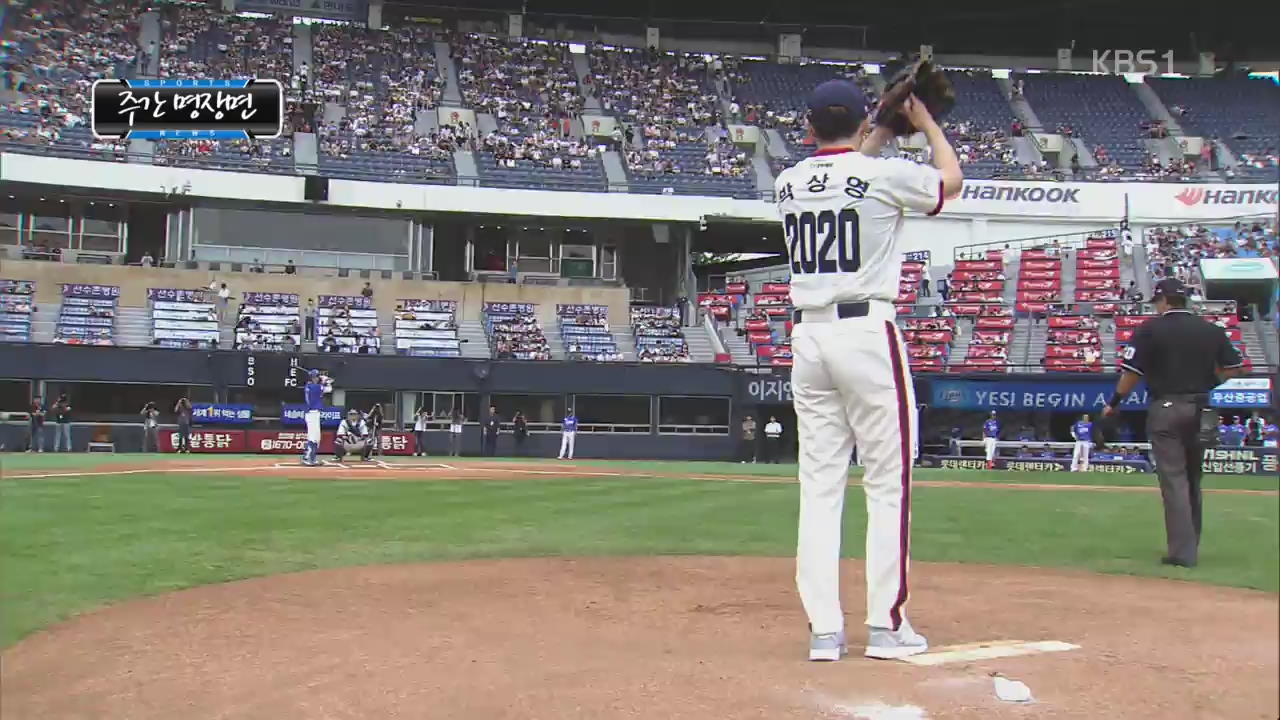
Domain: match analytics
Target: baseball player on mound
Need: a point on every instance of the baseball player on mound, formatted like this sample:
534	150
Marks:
1082	431
313	394
841	210
352	437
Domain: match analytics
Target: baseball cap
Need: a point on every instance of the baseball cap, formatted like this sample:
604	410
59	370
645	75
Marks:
313	373
840	93
1169	287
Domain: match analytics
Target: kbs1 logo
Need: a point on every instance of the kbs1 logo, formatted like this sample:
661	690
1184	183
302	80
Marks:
1130	61
173	109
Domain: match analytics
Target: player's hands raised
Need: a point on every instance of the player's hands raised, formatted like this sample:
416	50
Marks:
917	113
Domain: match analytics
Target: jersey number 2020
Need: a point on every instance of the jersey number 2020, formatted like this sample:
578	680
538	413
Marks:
811	237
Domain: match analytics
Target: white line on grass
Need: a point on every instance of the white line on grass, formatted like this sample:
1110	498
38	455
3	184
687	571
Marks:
161	470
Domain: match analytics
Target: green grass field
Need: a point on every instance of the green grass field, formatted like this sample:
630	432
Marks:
71	544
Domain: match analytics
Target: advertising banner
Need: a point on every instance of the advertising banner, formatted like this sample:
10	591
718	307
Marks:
1242	461
330	417
355	302
1019	395
290	442
507	308
599	125
214	414
269	298
176	295
205	441
1242	393
1055	464
90	291
356	11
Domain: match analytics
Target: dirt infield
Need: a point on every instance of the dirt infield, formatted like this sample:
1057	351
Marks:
444	468
690	637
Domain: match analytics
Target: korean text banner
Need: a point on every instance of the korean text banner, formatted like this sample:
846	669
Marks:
330	417
979	395
215	414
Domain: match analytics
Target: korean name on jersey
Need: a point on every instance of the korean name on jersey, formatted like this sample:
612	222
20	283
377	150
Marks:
841	213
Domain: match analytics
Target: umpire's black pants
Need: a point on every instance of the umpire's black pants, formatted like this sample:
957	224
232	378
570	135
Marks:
1173	425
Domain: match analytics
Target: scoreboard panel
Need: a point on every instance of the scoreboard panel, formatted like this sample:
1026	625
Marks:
273	370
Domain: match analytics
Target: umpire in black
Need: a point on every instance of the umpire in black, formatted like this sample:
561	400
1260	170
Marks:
1182	357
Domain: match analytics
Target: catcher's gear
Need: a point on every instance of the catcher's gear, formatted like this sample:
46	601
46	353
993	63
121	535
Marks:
930	86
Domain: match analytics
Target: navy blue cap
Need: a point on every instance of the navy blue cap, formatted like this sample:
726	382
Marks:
841	93
1170	287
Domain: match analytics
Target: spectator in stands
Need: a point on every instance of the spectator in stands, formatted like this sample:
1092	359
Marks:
62	423
289	268
224	301
309	320
924	286
367	292
257	267
147	260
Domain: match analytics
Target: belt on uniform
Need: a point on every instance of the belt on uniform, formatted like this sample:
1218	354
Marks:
843	311
1198	398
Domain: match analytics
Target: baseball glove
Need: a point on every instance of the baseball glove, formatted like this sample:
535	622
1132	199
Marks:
930	86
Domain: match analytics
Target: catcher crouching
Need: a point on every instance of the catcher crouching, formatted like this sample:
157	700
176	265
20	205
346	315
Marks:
353	437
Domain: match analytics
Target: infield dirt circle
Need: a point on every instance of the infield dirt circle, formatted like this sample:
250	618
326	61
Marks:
686	637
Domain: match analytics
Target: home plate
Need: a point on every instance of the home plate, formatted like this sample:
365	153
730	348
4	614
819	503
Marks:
987	651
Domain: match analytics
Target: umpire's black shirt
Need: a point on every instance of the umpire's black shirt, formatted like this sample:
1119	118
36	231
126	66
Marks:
1178	353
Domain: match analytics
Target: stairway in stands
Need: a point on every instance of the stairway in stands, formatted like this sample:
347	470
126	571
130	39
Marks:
475	344
133	326
700	348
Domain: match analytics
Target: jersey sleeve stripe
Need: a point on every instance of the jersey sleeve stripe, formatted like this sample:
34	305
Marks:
1132	369
941	199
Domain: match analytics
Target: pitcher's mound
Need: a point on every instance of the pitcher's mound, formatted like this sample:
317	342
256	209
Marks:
705	638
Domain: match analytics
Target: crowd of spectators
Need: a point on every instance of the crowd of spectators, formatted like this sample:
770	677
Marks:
973	143
1176	251
205	42
53	51
540	149
519	337
522	83
650	88
722	158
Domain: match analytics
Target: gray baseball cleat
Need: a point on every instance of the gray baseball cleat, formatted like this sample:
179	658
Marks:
825	647
886	644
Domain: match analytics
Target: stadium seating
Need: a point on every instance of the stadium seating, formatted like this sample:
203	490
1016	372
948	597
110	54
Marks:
1100	109
206	42
531	90
16	307
928	341
659	337
514	332
978	127
670	103
55	50
269	321
347	324
585	332
87	315
427	328
1238	110
382	79
183	319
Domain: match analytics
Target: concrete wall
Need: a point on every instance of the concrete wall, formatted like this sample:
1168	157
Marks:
134	281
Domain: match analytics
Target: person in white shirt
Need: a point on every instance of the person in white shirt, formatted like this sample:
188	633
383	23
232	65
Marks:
420	431
455	433
841	211
773	440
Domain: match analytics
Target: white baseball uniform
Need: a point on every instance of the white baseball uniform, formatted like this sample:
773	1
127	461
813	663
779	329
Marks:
313	425
841	213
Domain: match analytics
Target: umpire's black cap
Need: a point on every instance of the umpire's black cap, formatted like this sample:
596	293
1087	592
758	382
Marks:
839	93
1169	287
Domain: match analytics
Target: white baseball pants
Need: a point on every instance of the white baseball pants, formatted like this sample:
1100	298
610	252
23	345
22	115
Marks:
313	426
989	445
1080	456
851	383
566	445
